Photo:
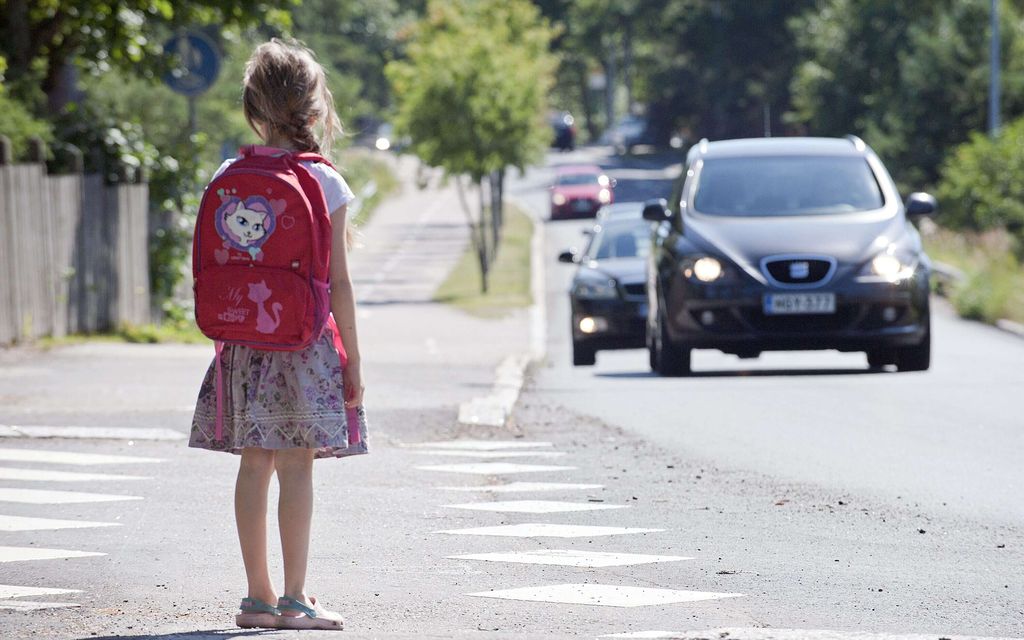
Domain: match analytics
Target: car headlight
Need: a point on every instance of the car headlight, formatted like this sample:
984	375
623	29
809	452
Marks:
887	266
558	199
596	289
704	269
604	196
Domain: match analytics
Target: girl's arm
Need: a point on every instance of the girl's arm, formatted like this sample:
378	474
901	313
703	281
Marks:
343	306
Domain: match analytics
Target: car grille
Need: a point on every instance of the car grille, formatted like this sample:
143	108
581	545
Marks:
798	271
639	289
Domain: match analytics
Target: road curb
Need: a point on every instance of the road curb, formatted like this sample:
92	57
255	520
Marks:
1011	327
495	408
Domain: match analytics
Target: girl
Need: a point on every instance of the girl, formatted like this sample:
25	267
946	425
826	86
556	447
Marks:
283	409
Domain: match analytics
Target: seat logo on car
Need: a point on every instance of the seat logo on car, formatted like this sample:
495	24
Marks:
799	270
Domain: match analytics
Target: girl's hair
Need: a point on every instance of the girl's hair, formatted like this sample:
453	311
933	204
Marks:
285	93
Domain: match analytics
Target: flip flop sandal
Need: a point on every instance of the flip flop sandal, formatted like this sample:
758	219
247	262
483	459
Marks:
315	617
256	613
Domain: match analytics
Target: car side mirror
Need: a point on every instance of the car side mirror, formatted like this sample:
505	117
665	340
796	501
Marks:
921	204
656	210
569	255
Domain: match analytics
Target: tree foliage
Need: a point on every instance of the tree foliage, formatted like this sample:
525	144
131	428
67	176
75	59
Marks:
473	90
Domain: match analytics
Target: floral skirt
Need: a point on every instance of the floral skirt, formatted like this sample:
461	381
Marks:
279	400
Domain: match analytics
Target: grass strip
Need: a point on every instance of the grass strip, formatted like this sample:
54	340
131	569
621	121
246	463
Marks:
509	281
993	287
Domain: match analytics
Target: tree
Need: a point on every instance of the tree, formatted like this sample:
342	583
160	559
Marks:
472	95
910	76
39	38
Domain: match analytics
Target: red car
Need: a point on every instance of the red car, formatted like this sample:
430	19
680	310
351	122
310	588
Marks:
579	191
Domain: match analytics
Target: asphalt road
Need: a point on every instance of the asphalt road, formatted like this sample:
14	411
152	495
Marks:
939	451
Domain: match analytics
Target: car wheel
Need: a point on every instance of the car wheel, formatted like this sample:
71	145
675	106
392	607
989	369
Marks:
918	357
670	360
582	355
880	357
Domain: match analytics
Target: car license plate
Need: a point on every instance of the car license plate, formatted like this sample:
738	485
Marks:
581	205
799	303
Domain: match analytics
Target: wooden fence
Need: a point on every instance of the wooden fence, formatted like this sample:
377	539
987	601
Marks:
73	251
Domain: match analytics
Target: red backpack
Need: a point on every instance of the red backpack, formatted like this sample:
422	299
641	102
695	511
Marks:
261	256
261	253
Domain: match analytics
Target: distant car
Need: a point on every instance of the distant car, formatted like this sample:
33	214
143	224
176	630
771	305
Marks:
580	190
628	133
619	210
608	298
563	127
784	244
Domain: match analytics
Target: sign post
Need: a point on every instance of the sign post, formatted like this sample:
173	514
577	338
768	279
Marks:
194	68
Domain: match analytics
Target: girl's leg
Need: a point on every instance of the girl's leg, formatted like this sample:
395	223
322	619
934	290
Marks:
294	515
251	487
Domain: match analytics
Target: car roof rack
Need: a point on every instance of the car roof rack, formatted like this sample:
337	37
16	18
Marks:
856	142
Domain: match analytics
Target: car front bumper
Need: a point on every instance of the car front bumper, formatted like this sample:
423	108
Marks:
621	323
731	318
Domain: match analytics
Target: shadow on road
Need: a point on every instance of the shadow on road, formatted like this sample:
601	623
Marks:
746	373
210	634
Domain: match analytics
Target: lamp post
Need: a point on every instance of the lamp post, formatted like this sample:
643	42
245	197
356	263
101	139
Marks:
993	89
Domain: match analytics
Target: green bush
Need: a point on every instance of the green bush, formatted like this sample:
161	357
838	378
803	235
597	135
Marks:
982	183
17	121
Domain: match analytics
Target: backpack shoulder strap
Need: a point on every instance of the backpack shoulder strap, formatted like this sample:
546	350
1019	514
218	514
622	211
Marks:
309	156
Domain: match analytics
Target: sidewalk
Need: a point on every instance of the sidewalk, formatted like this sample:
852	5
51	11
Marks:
141	538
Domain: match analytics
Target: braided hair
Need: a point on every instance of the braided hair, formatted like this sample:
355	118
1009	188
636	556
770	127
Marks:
285	95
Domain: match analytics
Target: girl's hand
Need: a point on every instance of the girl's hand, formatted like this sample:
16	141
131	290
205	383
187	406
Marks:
353	386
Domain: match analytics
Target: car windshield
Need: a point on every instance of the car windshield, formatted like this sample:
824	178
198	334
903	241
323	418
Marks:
786	186
620	241
577	178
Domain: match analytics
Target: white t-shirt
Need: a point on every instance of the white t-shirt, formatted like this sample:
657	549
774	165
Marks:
336	190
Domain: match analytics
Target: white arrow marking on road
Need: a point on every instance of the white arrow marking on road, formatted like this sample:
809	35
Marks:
546	530
492	454
18	554
752	633
570	558
66	457
513	487
19	523
535	506
39	496
45	475
13	591
494	468
18	605
603	595
482	445
90	433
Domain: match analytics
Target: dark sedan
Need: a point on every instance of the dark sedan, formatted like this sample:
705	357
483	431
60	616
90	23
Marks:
608	298
786	244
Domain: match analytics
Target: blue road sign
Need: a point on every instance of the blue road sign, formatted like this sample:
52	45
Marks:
195	63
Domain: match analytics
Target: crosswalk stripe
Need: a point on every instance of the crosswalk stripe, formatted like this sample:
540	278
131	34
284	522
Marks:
15	591
514	487
546	530
760	633
89	433
18	554
46	475
481	445
21	605
535	506
571	558
490	454
19	523
39	496
494	468
603	595
67	457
